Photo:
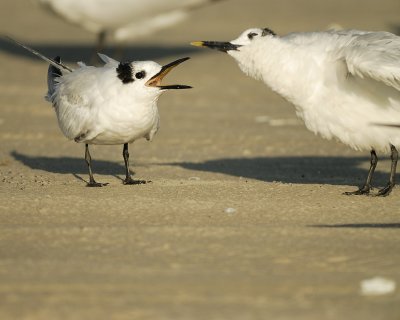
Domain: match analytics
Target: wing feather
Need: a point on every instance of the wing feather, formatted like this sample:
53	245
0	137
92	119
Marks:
375	55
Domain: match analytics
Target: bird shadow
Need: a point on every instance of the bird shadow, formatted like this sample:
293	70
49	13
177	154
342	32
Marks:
298	170
301	170
394	225
84	52
68	165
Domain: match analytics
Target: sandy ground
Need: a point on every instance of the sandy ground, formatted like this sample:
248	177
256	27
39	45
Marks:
294	247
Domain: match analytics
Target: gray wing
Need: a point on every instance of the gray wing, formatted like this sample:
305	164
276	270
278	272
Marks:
73	99
53	73
375	55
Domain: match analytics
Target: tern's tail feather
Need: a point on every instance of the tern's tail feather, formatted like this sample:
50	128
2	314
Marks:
52	74
52	62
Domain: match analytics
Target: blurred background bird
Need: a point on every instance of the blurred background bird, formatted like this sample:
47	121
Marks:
122	20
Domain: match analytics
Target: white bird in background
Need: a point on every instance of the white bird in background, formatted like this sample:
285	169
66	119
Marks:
340	82
112	104
123	19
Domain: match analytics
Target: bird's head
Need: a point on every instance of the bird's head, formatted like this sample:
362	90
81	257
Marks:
245	49
146	76
234	47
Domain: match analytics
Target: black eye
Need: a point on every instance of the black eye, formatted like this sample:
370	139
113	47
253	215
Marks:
251	35
140	75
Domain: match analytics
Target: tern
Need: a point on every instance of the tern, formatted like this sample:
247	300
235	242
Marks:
108	105
340	82
122	19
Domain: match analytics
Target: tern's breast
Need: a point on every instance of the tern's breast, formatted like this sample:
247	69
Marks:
94	105
122	123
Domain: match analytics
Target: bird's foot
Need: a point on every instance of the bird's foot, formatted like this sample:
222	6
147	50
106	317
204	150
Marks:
384	192
130	181
364	190
95	184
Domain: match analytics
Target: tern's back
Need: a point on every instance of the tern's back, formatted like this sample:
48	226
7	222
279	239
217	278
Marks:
73	95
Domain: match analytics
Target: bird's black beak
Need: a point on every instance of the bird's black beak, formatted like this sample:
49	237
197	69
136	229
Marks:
221	46
155	81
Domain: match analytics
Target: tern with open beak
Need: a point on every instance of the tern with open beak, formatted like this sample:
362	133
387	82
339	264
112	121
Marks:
112	104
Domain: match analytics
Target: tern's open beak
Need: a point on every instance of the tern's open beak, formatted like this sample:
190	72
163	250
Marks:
155	81
221	46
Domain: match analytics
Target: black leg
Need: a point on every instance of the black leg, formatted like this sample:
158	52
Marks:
392	180
88	159
128	177
119	52
100	45
365	189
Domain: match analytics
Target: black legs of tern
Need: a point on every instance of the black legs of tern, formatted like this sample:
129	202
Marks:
394	155
88	159
392	180
128	178
100	45
365	189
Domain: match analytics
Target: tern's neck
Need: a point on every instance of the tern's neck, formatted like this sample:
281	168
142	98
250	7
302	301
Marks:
280	64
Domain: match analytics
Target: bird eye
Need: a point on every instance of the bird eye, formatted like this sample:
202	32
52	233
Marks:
251	35
140	75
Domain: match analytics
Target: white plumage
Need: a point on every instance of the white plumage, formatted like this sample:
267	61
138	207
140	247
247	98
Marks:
340	82
94	106
112	104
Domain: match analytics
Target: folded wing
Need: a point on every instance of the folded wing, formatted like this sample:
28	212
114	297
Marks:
375	55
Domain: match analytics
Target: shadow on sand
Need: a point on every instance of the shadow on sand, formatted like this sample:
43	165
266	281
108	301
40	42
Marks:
303	170
69	165
360	225
83	52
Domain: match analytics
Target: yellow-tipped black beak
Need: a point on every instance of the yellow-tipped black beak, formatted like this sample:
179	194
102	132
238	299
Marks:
221	46
155	81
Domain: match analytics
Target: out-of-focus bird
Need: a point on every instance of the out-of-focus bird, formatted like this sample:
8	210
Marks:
123	20
340	82
112	104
